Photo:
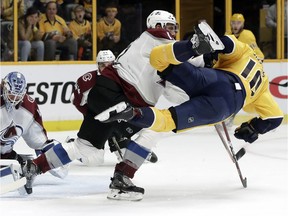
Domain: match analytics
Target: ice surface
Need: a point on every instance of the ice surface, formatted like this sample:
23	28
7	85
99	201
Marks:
193	177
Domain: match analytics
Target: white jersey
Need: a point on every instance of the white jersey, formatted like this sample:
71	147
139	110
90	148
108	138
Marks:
22	121
134	66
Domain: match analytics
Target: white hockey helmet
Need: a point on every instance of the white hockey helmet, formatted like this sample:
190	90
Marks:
160	17
14	89
105	56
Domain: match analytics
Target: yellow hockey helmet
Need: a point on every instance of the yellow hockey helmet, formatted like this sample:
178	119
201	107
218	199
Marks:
237	17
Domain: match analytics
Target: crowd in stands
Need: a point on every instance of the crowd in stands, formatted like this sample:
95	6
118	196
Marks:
50	30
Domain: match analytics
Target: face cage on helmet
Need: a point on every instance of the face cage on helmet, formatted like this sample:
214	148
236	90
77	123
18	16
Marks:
12	98
175	29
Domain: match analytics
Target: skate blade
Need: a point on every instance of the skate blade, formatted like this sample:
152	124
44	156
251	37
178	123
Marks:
116	194
214	40
105	115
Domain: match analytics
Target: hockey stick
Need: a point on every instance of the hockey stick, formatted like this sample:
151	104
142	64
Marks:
12	186
217	127
117	146
231	152
15	184
239	154
283	85
243	180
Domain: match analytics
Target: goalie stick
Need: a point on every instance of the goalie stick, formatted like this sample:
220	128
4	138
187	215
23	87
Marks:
11	167
230	150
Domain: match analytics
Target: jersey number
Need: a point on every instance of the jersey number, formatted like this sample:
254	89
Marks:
256	79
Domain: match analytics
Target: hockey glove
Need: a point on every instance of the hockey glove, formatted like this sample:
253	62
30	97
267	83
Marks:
246	132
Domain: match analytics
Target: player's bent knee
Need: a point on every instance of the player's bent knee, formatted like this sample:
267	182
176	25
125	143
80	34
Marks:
88	154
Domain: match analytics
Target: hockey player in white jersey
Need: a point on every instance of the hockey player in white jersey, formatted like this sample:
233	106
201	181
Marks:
122	134
131	78
21	117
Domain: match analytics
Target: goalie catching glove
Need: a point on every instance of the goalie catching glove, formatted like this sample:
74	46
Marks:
246	132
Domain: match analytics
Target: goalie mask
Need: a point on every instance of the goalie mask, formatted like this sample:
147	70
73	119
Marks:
162	18
14	89
104	58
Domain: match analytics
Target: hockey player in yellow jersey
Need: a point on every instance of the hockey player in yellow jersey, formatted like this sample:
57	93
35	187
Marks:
244	35
236	81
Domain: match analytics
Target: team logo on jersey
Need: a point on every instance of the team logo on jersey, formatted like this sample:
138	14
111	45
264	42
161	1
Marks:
10	135
87	77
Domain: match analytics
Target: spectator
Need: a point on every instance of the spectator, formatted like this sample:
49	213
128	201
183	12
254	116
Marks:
88	9
7	9
81	29
56	35
29	35
108	30
244	35
271	22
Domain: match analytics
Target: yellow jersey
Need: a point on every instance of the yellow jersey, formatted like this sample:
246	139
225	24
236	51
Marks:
246	36
80	29
246	65
104	28
46	26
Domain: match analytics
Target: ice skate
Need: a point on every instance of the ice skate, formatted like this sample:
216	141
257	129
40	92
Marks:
121	111
205	39
29	171
122	188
